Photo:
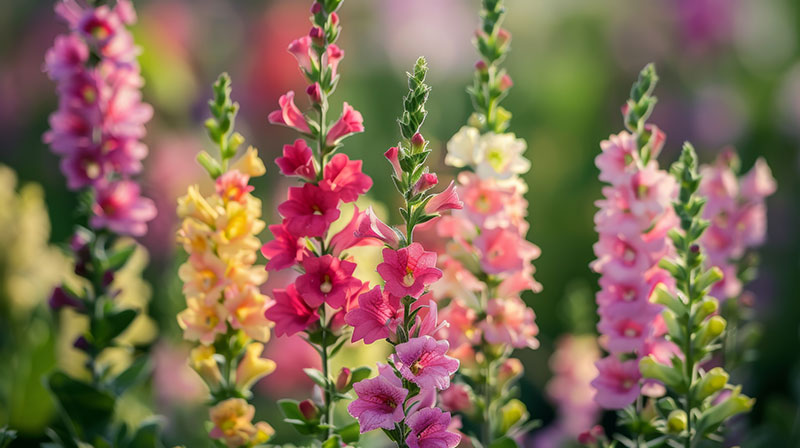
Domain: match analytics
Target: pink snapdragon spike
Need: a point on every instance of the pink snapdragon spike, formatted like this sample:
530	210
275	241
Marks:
510	322
121	209
446	200
380	401
736	210
309	211
297	160
344	177
289	114
327	280
408	271
617	382
285	250
349	123
372	227
290	312
423	361
430	428
100	118
377	316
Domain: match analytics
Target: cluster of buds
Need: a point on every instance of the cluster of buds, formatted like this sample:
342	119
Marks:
632	222
401	399
225	307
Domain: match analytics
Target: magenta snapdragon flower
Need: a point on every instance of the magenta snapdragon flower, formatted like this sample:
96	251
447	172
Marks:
423	360
290	312
327	279
351	122
344	177
289	114
285	250
408	271
380	401
377	316
430	429
309	210
372	227
120	208
297	160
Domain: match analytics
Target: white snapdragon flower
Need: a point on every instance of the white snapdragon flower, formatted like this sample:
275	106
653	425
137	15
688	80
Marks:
462	148
500	156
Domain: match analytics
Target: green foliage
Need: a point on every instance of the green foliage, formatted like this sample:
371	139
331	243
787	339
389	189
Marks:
414	112
220	128
693	326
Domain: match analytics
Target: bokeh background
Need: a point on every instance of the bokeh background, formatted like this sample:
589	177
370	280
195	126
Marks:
730	75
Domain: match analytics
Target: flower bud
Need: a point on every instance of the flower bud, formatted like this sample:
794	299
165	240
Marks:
82	344
510	369
201	360
708	278
710	330
650	368
108	278
392	155
60	298
676	422
707	307
712	382
79	241
316	8
418	143
503	37
309	410
253	367
317	36
513	412
264	432
426	181
505	82
734	404
481	67
343	380
334	19
315	93
592	436
662	296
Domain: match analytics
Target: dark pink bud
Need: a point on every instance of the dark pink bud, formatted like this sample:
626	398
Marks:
417	142
78	242
315	93
308	409
60	298
316	8
82	344
586	438
425	182
343	380
392	155
482	67
317	36
108	278
334	18
503	37
505	83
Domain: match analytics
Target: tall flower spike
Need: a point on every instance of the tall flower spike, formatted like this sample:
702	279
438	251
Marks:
318	300
97	132
692	325
225	313
488	264
420	364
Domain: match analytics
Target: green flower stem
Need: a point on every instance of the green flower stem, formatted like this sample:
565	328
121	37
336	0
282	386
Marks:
329	403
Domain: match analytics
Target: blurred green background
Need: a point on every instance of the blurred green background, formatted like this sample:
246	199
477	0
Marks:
730	75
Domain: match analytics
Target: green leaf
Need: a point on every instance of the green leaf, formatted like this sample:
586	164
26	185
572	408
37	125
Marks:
88	408
301	426
317	377
120	257
349	433
146	436
135	373
359	374
112	325
333	442
291	409
504	442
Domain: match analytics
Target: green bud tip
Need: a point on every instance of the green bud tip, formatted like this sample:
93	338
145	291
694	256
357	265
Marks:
676	422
